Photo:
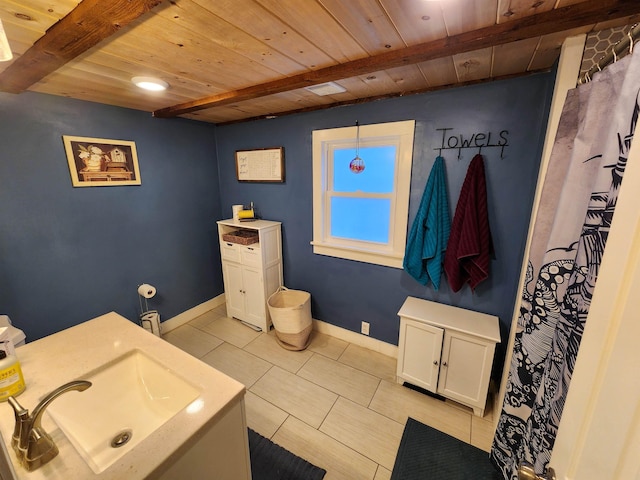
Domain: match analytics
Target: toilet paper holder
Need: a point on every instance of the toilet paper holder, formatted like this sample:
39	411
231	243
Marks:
149	319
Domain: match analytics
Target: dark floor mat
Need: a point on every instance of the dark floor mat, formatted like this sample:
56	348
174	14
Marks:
272	462
428	454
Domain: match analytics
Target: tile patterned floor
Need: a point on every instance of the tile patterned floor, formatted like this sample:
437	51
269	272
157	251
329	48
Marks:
335	404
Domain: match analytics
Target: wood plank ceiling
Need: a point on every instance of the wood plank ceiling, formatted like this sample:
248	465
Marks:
233	60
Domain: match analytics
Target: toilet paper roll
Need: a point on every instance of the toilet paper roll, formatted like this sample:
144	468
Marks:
245	214
235	209
146	290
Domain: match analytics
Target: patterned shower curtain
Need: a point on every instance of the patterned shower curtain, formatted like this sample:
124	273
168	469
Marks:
576	208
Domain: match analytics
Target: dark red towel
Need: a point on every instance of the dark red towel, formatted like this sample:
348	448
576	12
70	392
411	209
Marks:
469	246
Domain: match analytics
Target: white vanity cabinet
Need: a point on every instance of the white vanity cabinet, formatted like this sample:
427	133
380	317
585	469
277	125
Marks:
251	272
207	438
447	350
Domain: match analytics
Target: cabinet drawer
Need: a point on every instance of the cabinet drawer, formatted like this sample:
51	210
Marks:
230	251
251	255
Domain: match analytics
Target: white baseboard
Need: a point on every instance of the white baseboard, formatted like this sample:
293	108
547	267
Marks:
192	313
356	338
318	325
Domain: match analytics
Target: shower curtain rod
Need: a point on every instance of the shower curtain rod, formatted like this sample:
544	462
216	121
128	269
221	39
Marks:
611	57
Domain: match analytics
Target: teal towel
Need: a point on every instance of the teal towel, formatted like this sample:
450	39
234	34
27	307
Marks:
429	234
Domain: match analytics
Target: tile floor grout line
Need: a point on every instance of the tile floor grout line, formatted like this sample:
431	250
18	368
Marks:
261	377
305	362
359	369
348	446
334	439
324	419
319	429
368	406
333	391
380	380
248	353
283	422
276	406
325	349
377	469
214	348
374	395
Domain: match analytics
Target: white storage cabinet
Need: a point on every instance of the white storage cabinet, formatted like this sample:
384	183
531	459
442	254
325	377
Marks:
447	350
251	272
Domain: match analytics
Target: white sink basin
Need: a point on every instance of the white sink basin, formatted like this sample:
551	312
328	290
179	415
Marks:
129	399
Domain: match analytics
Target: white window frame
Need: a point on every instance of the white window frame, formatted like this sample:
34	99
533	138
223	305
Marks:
401	135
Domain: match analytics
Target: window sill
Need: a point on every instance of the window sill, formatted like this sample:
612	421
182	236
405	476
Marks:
359	255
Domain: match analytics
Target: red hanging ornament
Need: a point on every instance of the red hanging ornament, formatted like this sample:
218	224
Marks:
357	164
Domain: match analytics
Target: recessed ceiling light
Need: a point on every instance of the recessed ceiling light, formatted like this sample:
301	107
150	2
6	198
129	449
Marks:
329	88
150	83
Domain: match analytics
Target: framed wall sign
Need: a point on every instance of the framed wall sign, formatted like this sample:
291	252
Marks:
260	165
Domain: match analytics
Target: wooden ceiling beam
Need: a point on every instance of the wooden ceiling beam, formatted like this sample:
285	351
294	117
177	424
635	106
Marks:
548	22
383	96
91	22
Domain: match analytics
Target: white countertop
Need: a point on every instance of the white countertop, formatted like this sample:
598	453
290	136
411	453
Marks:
72	353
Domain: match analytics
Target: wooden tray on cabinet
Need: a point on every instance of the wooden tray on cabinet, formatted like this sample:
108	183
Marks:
243	237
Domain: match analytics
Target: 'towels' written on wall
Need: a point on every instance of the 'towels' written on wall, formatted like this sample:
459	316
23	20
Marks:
479	140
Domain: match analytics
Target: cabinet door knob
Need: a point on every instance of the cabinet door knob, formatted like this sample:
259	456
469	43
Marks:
230	244
435	362
444	364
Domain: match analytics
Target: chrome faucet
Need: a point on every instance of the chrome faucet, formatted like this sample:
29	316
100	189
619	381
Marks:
33	446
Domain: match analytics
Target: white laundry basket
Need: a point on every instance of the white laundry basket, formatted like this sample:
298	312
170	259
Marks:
291	316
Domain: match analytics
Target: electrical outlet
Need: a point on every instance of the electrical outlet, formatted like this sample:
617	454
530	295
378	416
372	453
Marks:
364	329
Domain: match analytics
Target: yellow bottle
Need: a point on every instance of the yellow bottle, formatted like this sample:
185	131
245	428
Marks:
11	379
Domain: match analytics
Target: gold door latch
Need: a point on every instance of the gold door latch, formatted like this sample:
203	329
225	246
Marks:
526	472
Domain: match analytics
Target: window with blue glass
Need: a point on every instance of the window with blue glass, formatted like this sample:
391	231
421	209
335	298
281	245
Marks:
361	213
361	203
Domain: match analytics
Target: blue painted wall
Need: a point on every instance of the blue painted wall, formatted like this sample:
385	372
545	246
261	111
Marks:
344	292
69	254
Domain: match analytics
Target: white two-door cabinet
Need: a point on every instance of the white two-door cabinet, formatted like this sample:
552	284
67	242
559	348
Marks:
447	350
251	272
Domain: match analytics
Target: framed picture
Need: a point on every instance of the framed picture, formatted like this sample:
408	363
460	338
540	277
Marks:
99	162
260	165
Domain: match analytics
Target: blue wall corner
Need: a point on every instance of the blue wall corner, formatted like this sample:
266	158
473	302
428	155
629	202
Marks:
69	254
344	292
